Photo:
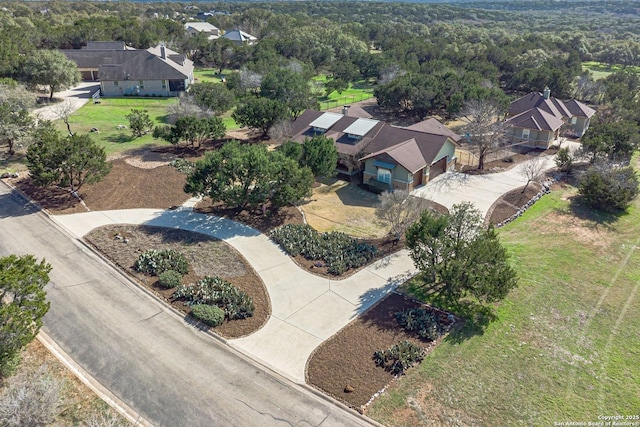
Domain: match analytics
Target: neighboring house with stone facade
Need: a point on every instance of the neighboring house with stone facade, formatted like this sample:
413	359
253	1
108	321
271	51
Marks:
157	71
385	156
538	119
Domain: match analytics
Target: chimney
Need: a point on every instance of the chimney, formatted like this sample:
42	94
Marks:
163	52
547	92
345	110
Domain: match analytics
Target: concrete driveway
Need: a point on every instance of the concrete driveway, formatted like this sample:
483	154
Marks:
451	188
76	97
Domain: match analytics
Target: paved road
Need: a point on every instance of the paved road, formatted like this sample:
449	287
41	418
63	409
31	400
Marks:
166	370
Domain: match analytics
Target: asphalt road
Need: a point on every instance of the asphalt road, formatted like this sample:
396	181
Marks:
168	371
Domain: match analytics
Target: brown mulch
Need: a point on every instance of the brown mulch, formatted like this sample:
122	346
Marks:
346	359
508	162
510	203
125	187
207	256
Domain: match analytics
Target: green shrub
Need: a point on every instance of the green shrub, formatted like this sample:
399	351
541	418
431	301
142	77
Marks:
608	188
236	304
182	165
169	279
339	251
212	315
424	323
399	357
156	262
564	160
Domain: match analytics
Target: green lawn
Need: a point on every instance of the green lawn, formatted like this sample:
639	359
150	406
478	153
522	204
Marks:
601	70
358	91
204	75
566	346
110	113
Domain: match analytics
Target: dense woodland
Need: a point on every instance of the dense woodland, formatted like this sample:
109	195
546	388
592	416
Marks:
423	57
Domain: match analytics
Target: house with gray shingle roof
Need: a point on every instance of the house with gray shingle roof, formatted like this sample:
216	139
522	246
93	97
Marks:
157	71
240	37
538	119
388	157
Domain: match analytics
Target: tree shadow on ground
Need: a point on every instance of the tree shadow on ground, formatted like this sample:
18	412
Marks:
120	138
579	209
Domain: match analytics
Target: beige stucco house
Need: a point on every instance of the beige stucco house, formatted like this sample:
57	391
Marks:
194	28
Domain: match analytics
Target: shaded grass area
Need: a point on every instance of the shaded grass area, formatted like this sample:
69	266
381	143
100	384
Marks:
110	113
566	343
209	75
358	91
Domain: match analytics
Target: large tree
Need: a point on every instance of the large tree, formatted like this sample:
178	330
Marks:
193	130
483	126
289	87
260	113
320	155
15	120
460	258
399	209
246	176
50	68
613	141
22	304
70	161
212	96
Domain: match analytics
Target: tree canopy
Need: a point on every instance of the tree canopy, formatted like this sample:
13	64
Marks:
22	304
459	258
50	68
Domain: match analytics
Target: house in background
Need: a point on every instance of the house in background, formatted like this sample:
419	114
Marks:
388	157
538	119
157	71
240	37
194	28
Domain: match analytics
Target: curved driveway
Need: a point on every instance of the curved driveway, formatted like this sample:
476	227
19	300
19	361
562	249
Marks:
306	309
168	371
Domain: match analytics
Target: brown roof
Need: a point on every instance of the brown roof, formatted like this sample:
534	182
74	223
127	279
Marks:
556	107
432	125
537	119
407	154
355	111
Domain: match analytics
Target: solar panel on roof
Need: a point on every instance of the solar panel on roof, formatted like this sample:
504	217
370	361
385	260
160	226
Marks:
361	127
326	120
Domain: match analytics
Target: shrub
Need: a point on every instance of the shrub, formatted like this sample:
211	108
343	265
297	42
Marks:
236	304
423	322
339	251
608	188
399	357
564	160
212	315
183	165
169	279
156	262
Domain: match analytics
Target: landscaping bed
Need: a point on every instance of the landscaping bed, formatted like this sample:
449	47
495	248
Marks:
125	187
207	256
507	205
345	361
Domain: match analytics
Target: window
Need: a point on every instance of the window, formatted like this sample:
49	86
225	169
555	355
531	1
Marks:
384	175
141	85
115	83
525	133
164	84
574	120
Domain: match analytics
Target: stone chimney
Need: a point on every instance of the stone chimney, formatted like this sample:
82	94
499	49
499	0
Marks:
345	110
163	52
547	92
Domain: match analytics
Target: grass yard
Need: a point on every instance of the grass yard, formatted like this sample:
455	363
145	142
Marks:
110	113
340	206
600	70
209	75
358	91
566	346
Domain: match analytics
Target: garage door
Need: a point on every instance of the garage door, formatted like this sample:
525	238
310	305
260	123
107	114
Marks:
438	168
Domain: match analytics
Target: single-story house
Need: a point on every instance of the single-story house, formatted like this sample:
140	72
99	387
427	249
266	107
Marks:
194	28
389	157
538	119
240	37
157	71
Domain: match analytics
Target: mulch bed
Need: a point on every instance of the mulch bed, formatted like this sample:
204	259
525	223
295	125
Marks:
207	256
508	162
507	205
125	187
346	359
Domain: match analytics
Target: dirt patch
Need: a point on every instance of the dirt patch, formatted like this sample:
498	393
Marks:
507	159
507	205
125	187
207	256
347	357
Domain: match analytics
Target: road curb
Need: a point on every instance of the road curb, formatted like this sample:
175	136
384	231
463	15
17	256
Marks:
108	397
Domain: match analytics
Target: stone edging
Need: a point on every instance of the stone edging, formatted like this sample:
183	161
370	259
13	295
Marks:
546	189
